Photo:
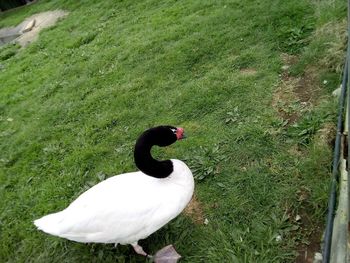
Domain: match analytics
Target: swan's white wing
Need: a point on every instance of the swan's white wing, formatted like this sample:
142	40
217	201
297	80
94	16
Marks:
121	209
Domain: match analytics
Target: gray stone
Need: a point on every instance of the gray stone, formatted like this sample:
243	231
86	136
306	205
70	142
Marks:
29	26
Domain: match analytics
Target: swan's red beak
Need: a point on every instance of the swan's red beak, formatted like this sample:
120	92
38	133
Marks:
180	133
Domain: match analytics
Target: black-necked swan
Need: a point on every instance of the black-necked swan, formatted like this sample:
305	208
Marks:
128	207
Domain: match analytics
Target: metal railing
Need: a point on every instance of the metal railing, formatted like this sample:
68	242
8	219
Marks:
335	248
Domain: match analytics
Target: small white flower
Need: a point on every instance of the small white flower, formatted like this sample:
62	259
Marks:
278	238
325	82
206	221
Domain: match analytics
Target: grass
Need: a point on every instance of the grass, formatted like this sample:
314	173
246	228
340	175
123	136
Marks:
73	103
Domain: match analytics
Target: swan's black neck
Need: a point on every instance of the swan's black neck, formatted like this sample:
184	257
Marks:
142	153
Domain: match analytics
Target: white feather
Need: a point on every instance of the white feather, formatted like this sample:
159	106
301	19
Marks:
123	208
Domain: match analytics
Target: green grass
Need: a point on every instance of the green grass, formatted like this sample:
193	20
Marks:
73	103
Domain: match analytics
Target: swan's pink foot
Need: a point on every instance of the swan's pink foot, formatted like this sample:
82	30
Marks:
167	254
139	250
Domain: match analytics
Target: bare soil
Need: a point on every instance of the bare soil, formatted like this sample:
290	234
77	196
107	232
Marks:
306	252
295	95
248	71
42	20
194	211
38	21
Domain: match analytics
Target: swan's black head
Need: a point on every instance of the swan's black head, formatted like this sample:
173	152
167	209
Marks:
161	136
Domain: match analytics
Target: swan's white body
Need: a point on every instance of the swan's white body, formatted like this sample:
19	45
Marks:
124	208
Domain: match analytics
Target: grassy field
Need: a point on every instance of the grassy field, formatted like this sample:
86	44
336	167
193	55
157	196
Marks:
249	81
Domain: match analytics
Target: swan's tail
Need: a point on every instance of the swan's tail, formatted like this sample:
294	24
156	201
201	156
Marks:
50	223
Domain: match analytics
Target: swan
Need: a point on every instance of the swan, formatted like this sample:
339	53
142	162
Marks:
128	207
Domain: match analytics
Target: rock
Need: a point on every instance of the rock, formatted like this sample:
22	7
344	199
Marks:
278	238
29	26
317	258
336	92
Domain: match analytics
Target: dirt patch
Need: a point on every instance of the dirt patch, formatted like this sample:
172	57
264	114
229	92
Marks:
28	31
308	90
42	20
285	100
194	211
309	233
295	95
313	233
306	254
288	60
248	71
296	151
326	135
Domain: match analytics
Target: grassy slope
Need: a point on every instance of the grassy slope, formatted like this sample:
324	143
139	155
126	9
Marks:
72	104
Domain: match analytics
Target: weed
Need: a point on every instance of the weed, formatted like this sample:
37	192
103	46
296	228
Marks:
305	130
205	162
232	116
